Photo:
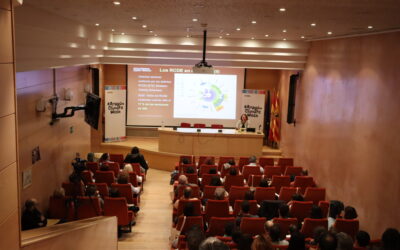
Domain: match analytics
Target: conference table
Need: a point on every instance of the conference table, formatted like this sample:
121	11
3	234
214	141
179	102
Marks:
208	141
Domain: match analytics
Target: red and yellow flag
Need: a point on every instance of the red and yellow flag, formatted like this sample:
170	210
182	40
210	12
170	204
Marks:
274	134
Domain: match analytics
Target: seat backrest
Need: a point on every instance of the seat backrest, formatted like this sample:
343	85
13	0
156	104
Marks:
225	172
350	227
314	194
310	224
117	207
324	205
202	160
264	193
195	191
192	178
102	188
237	193
216	208
185	125
73	189
248	170
303	182
224	159
196	206
190	158
233	180
184	167
263	161
217	225
125	190
252	226
243	161
113	166
237	207
136	168
199	125
105	177
270	171
205	169
284	224
254	180
206	179
291	170
189	222
219	126
133	179
87	207
61	208
119	158
208	192
301	209
280	181
286	193
285	162
92	166
86	177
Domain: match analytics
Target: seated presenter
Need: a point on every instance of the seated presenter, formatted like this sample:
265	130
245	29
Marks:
243	122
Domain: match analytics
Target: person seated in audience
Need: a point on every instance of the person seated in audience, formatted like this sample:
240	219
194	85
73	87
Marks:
31	216
295	197
229	164
128	168
187	195
316	212
213	171
212	243
245	242
77	179
335	210
283	211
90	157
123	178
232	172
390	239
105	158
344	241
114	193
215	181
263	183
91	191
194	237
275	235
297	241
185	161
253	162
209	161
229	229
220	193
350	213
317	235
136	157
248	195
362	239
244	212
190	170
59	193
328	241
261	243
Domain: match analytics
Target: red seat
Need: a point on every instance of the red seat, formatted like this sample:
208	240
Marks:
190	158
119	158
280	181
199	125
92	166
125	190
225	172
181	205
310	224
73	189
61	208
224	159
133	179
237	207
237	193
206	179
252	226
192	178
102	188
314	194
350	227
185	223
263	161
301	209
264	193
113	166
324	205
185	125
217	126
203	159
205	169
216	208
183	168
296	171
248	170
284	224
233	180
105	177
284	162
243	161
118	207
86	177
254	180
195	192
208	192
217	225
303	182
270	171
286	193
88	207
138	171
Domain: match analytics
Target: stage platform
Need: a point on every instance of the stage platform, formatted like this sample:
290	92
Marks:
162	160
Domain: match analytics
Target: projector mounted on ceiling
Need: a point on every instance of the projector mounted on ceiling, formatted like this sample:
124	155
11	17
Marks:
203	67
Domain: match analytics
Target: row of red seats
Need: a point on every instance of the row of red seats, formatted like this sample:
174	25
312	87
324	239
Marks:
201	125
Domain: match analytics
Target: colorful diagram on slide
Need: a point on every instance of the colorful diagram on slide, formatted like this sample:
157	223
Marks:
212	95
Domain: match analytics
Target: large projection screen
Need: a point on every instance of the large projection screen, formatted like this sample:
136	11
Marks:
168	95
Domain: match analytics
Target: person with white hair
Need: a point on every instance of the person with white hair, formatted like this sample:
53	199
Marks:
128	168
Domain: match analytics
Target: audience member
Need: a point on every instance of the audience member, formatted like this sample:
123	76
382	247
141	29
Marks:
316	212
390	239
229	164
90	157
123	178
244	212
91	191
220	193
344	241
283	211
275	233
187	195
194	237
114	193
136	157
317	235
128	168
215	181
212	243
328	242
229	229
59	193
362	239
297	241
261	243
213	171
350	213
31	217
186	160
190	170
253	162
248	195
245	242
335	210
263	183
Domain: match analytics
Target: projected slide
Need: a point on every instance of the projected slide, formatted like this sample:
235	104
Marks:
205	96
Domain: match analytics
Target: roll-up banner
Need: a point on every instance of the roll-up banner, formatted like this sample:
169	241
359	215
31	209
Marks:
253	103
115	113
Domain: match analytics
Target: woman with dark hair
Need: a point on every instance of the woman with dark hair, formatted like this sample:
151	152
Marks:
215	181
243	123
316	212
350	213
297	241
136	157
103	162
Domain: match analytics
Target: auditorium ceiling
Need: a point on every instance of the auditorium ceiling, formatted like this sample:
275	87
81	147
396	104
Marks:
256	19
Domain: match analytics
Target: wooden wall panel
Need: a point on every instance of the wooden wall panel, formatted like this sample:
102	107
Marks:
6	42
7	89
8	191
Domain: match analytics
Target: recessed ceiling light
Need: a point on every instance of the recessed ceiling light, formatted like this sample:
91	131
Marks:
150	31
370	27
155	35
144	26
302	37
284	31
228	34
266	35
329	32
188	36
97	24
220	37
284	39
253	22
122	33
313	24
116	3
195	19
238	29
112	30
134	18
252	38
282	9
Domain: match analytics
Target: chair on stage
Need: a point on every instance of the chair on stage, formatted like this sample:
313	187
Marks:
217	126
199	125
185	125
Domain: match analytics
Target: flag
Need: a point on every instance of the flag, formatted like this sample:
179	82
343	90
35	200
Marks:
274	133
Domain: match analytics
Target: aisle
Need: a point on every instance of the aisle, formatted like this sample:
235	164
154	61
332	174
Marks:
153	224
